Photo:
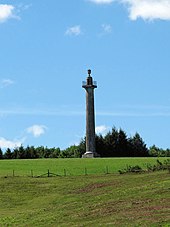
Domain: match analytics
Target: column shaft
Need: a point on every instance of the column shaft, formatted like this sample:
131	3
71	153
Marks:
90	120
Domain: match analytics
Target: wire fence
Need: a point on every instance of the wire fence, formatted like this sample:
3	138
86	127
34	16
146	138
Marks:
33	173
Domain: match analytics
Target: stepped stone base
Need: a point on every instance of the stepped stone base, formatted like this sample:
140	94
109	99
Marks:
90	154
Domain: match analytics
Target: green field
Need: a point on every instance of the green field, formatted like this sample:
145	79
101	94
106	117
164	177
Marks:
71	167
96	199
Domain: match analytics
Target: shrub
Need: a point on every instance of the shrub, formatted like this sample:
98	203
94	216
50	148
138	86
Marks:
131	169
150	168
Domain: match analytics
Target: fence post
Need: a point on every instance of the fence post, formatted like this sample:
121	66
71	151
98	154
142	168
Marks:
48	173
107	170
85	171
31	173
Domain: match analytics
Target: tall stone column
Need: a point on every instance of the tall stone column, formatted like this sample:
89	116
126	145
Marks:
89	85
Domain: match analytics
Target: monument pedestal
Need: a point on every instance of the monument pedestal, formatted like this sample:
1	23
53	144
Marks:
90	154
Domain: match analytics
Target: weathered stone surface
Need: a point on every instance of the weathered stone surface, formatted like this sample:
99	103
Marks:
90	117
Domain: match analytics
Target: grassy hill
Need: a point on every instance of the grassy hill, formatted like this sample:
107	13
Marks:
70	166
92	200
96	199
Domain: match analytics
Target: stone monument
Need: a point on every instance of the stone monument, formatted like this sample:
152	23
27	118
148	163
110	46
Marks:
89	85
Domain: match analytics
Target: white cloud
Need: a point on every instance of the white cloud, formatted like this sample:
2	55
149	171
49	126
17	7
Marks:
107	28
148	9
145	9
75	30
102	129
6	12
4	143
37	130
6	82
101	1
22	6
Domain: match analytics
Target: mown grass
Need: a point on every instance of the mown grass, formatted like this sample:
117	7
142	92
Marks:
91	200
71	167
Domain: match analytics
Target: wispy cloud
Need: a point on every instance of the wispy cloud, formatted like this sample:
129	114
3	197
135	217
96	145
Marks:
22	7
101	2
106	28
41	112
119	111
74	31
102	129
148	9
6	82
5	143
133	114
137	111
37	130
7	12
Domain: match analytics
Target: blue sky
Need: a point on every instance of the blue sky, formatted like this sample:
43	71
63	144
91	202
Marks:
46	48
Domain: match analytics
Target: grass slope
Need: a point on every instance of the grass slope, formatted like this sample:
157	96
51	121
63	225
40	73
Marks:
92	200
72	166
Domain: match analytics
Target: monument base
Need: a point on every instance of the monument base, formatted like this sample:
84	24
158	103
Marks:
90	154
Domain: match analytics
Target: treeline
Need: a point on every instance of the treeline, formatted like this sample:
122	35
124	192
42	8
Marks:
30	152
114	144
159	152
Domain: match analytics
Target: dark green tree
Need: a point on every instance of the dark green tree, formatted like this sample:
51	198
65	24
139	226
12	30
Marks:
1	154
137	147
101	148
8	154
15	153
154	151
33	152
47	152
70	152
111	143
55	152
122	144
21	153
39	152
81	148
167	152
